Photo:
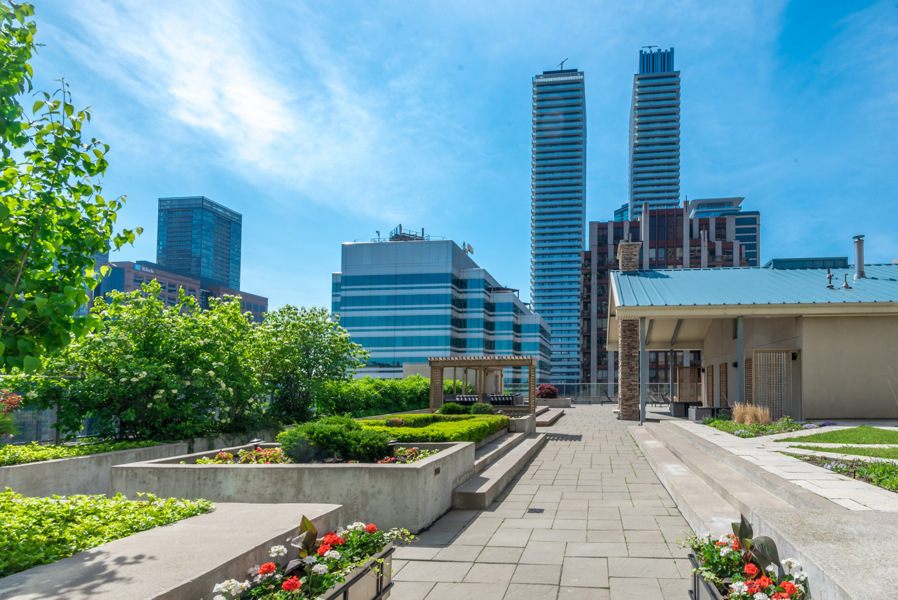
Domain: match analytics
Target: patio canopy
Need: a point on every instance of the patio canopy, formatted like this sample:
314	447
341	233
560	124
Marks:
481	365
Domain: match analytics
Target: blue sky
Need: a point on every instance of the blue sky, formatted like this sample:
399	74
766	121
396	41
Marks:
324	122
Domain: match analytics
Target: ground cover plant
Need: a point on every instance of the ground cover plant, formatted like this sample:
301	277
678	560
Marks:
312	565
37	531
34	452
855	435
782	425
438	428
878	473
743	567
854	450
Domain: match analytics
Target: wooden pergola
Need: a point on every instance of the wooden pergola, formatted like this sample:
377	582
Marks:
481	365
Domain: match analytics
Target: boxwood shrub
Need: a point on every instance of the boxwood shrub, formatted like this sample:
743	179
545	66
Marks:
481	408
334	437
37	531
451	408
34	452
441	428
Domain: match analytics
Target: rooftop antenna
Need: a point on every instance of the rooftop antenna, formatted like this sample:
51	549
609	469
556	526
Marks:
561	65
470	249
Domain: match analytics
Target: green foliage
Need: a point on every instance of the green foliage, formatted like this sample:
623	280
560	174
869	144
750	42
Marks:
155	372
369	396
303	350
480	408
34	452
334	437
878	473
37	531
439	428
451	408
855	435
891	453
783	425
9	403
53	218
451	386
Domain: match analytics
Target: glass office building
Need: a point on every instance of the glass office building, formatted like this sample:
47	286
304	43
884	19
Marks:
654	135
410	298
200	238
558	212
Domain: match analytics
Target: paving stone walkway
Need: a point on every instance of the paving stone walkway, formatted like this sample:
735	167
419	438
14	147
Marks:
586	518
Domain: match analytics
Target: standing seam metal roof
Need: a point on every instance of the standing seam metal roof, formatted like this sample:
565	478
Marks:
753	286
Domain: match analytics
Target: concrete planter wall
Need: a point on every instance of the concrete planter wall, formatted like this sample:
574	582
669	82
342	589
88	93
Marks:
522	425
411	496
182	560
90	474
560	402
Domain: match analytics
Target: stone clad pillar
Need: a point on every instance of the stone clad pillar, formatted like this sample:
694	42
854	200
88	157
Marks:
628	336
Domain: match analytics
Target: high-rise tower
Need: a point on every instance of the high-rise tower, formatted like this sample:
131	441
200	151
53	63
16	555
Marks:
558	212
200	238
654	135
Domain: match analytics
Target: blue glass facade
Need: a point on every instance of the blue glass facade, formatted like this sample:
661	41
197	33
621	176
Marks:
200	238
654	135
407	301
558	212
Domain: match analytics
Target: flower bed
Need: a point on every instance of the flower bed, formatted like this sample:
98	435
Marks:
879	473
320	565
741	567
34	452
438	428
783	425
37	531
276	456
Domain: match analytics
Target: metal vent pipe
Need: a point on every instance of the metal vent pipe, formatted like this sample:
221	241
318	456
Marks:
859	257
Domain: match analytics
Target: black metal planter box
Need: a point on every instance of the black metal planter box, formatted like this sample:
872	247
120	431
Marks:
701	589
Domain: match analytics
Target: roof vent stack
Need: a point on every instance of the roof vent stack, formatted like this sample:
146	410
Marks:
845	285
829	280
859	257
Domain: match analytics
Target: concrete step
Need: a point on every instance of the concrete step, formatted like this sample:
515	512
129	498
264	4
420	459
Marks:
702	507
549	417
794	495
480	490
740	492
493	451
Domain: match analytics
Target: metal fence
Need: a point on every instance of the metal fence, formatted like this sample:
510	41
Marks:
37	426
603	392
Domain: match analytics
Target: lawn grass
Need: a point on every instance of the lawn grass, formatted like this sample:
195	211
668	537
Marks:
856	435
856	451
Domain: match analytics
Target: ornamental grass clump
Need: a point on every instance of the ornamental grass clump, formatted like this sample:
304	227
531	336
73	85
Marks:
743	567
37	531
312	565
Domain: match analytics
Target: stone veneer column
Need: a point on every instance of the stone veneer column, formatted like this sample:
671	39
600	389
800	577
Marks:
628	337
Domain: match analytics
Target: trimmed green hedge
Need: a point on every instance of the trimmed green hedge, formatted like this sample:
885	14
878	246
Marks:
37	531
34	452
333	436
369	396
438	428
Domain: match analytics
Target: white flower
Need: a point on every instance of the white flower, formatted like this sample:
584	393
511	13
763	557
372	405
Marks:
332	554
31	394
739	588
319	569
771	568
724	550
760	596
801	576
725	538
356	526
310	560
799	587
277	551
219	597
211	373
174	391
791	564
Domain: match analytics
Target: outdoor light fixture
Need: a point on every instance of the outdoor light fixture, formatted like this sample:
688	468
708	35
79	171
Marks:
735	365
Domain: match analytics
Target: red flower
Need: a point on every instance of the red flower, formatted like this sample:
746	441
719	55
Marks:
764	582
371	528
332	539
780	596
751	570
268	567
753	587
291	585
323	549
788	587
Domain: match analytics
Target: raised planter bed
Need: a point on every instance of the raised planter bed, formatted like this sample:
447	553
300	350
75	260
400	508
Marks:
371	581
522	425
91	474
701	589
394	495
182	560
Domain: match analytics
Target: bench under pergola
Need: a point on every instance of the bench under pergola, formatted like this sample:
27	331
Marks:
481	365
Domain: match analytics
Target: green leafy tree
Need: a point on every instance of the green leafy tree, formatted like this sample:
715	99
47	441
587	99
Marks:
52	216
156	372
301	350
